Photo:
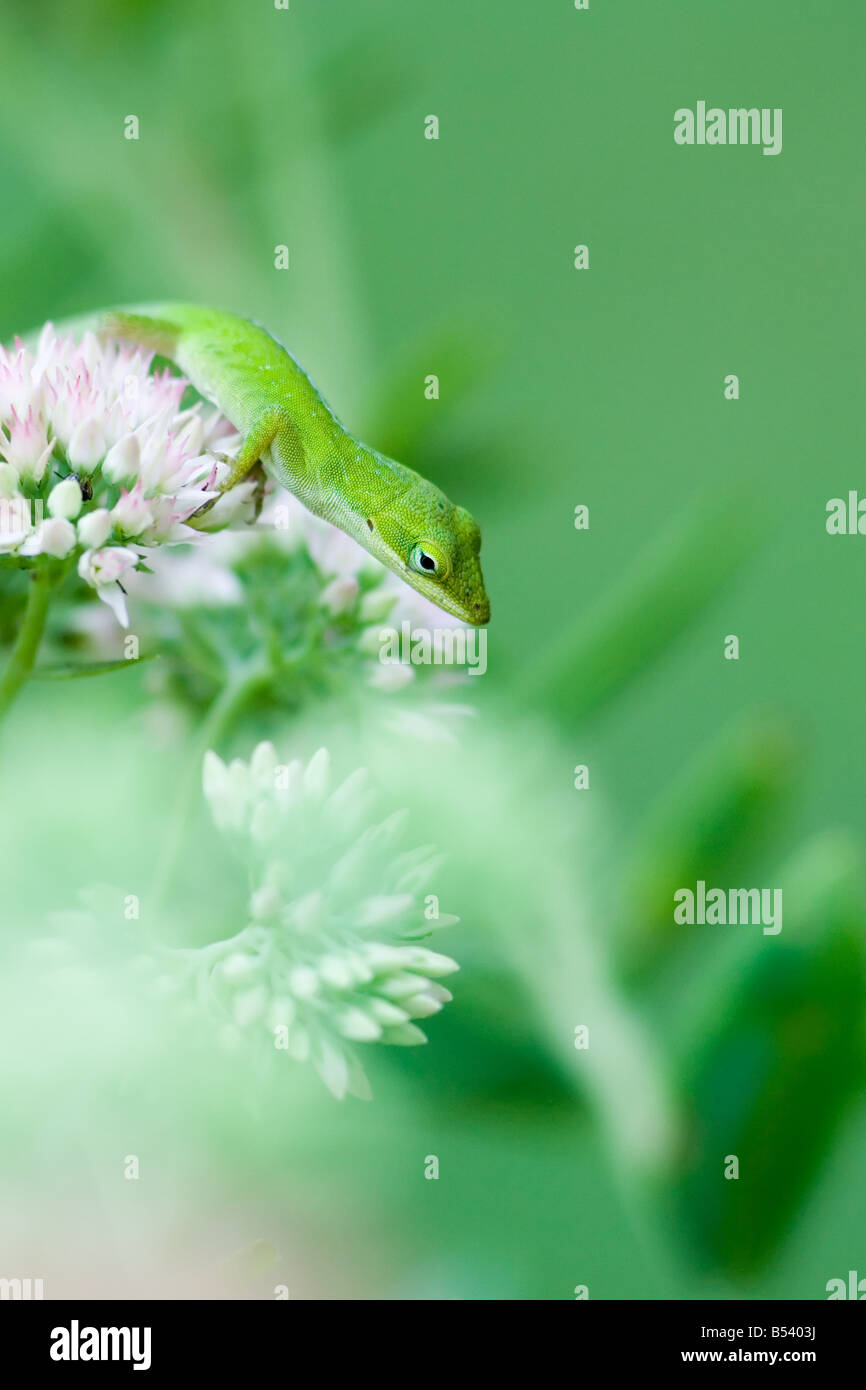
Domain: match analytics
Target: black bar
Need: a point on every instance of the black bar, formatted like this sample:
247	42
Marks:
226	1338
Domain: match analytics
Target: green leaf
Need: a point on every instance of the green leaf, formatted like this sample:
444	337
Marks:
774	1062
713	825
90	668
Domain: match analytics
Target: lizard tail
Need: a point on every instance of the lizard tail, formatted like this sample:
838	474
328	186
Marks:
158	334
143	326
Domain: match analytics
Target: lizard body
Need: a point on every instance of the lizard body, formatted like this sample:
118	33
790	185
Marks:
401	518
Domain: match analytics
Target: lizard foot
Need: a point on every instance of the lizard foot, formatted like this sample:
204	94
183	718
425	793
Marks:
260	477
255	474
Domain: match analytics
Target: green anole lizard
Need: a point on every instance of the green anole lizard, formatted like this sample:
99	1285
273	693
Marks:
398	516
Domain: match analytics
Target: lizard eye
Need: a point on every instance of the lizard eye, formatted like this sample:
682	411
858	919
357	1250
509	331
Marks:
427	558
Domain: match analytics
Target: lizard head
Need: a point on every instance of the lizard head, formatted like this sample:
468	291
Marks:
433	545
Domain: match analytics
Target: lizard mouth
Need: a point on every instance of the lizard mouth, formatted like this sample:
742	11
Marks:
476	612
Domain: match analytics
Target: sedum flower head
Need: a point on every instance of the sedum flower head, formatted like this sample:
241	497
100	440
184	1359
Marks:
334	586
98	459
330	956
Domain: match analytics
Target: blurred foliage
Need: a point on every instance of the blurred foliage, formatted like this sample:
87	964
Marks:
787	1030
716	823
558	1166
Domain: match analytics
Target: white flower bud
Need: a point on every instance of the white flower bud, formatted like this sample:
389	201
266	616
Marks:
214	776
306	913
360	1027
237	968
317	775
421	1006
265	902
431	962
339	596
56	537
64	500
333	1069
335	971
87	445
377	604
132	514
263	764
407	1035
390	676
382	910
303	982
439	992
9	481
371	639
384	958
15	522
98	567
265	824
123	460
388	1014
94	527
401	987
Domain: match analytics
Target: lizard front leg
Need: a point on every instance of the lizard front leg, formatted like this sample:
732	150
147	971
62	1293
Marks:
257	442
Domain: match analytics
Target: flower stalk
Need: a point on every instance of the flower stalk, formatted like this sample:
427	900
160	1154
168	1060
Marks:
24	652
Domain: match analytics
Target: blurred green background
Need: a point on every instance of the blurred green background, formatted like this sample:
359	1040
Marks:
260	127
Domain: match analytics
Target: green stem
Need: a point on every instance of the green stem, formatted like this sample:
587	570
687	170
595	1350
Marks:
26	646
241	685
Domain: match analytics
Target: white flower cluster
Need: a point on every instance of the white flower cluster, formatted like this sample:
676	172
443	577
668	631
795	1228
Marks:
207	576
131	465
343	563
330	955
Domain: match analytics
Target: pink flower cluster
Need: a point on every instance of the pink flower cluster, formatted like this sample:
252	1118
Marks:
99	460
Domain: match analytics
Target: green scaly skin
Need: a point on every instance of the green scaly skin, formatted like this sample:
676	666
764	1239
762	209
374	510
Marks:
405	521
